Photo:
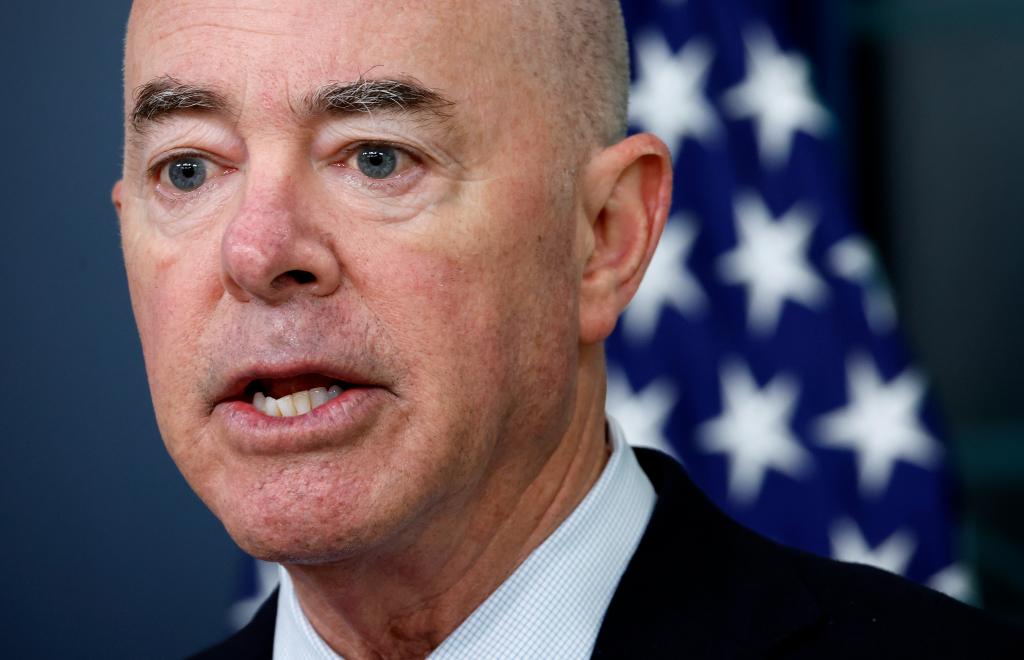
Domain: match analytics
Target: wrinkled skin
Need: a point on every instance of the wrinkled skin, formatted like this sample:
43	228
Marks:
470	290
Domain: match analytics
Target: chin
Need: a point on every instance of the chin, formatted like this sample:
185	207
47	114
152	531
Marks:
295	546
284	538
311	514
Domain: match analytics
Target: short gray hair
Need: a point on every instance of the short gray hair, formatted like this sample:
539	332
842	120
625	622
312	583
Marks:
593	55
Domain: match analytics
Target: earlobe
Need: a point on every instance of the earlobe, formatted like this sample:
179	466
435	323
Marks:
627	193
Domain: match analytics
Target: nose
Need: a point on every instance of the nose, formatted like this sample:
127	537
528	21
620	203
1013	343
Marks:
273	250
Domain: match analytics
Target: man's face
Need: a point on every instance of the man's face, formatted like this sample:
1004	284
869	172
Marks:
429	264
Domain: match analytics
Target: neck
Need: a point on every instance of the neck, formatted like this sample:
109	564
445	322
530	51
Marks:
404	602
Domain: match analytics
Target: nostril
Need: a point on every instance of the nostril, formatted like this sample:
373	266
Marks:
293	276
301	276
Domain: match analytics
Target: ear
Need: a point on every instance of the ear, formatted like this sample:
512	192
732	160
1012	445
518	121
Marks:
116	196
627	190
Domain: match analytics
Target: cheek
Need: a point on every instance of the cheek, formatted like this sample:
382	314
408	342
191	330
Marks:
172	291
167	297
487	293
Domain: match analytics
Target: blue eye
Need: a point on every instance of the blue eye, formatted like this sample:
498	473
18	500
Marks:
377	162
187	174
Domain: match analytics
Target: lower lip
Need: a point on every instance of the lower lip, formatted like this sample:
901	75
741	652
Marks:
338	422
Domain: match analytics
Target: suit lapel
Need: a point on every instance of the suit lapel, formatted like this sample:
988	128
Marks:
700	585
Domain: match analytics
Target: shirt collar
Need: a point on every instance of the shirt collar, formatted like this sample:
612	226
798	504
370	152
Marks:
553	603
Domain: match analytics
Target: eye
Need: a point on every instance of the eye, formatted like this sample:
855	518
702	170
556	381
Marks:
380	169
185	173
377	161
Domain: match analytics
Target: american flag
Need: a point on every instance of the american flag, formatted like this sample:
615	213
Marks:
762	349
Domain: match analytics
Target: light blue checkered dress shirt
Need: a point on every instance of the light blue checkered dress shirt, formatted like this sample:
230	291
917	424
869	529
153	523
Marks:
553	604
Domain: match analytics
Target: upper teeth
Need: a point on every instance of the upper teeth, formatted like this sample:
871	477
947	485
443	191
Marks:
296	403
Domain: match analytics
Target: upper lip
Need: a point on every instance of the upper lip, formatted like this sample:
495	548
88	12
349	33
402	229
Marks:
236	382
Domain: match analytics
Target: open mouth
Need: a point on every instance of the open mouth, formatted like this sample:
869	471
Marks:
290	397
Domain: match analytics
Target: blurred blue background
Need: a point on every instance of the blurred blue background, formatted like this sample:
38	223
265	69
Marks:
106	552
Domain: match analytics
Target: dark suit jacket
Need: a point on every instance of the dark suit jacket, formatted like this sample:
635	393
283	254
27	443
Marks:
702	586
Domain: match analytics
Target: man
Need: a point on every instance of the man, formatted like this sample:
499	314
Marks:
373	250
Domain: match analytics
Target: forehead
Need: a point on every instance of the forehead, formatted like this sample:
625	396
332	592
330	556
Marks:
258	49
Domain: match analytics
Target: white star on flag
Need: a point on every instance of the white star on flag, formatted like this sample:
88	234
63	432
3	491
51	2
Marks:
642	414
853	259
880	424
771	261
893	554
954	581
668	97
667	283
776	94
754	431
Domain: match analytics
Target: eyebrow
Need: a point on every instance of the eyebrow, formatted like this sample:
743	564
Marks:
165	96
370	95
